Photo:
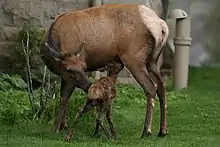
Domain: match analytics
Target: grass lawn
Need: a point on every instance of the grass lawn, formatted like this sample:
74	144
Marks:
193	119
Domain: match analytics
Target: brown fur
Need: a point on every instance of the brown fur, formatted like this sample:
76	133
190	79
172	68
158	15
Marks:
89	39
102	92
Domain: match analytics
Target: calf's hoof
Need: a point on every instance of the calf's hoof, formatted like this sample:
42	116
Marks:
163	133
68	136
146	134
67	139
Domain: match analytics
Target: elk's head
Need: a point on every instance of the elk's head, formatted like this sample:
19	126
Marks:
72	61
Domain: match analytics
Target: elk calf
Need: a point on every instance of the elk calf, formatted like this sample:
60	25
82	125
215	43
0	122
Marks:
101	95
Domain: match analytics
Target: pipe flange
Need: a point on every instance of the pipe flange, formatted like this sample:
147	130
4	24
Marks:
186	41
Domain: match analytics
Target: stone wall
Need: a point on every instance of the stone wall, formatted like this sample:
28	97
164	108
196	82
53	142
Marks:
39	13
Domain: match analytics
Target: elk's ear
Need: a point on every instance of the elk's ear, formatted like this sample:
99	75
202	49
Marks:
81	48
53	52
78	54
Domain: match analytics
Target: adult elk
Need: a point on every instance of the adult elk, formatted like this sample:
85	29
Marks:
131	35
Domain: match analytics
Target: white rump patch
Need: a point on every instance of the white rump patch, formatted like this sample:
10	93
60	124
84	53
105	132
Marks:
156	26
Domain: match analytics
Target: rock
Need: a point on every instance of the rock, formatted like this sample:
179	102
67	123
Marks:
22	12
5	48
9	33
47	23
125	73
5	64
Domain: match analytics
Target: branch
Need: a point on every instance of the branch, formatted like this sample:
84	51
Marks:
27	54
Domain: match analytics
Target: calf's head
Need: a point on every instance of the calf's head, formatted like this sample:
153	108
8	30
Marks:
94	98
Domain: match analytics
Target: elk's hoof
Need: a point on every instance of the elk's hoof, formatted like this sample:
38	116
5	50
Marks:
114	137
146	134
96	135
162	133
58	127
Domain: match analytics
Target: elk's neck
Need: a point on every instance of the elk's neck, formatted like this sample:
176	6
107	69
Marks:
113	79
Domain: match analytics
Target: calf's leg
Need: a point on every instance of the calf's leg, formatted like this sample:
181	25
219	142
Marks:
110	122
67	88
88	106
100	122
95	134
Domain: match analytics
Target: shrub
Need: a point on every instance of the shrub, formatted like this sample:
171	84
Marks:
11	82
34	37
14	106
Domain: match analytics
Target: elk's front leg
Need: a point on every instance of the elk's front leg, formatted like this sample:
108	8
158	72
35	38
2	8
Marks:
67	88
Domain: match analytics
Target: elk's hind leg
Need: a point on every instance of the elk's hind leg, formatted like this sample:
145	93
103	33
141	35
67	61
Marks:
137	67
161	92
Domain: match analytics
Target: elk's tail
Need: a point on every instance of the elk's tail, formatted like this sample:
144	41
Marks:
163	40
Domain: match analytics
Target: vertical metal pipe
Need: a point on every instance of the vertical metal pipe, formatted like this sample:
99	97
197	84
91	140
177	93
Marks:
182	43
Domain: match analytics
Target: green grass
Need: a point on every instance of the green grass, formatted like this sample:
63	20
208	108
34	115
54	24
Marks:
193	119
